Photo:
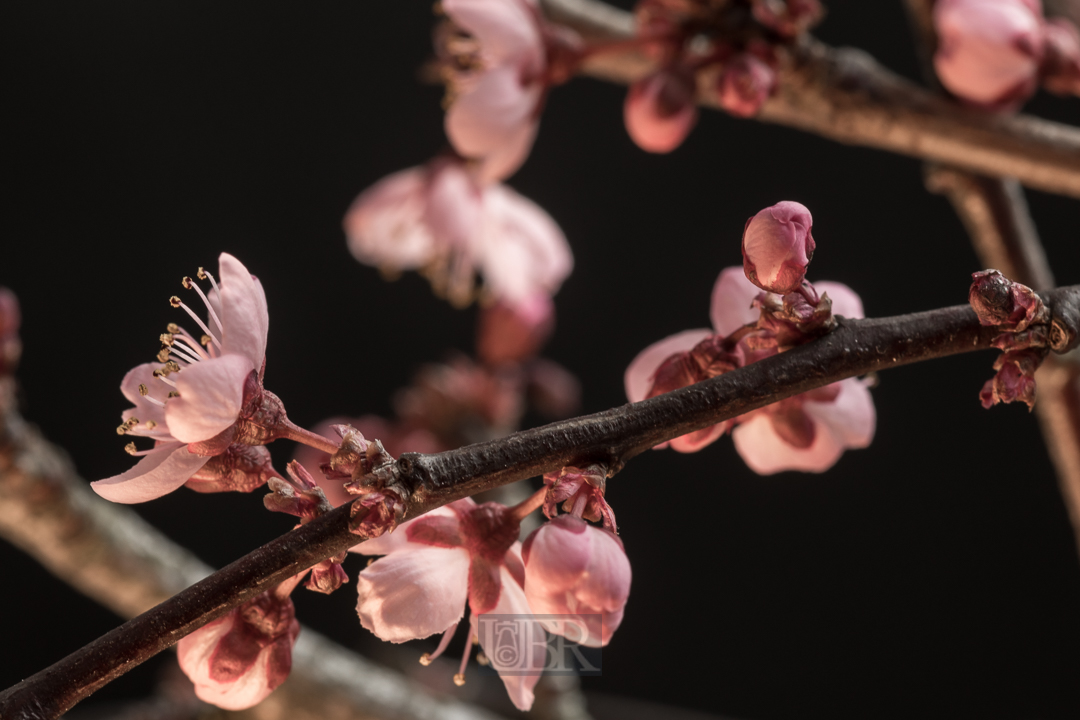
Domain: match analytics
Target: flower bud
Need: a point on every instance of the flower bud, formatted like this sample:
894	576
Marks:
512	332
1061	57
999	301
988	50
745	84
777	246
237	660
660	110
573	568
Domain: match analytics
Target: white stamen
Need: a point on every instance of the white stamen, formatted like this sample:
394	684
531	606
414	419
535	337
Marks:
192	346
209	307
428	658
197	320
154	400
184	354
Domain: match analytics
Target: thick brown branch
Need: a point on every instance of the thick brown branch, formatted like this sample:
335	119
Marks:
845	95
854	348
996	216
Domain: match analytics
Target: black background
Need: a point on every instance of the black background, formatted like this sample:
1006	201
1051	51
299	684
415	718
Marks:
934	573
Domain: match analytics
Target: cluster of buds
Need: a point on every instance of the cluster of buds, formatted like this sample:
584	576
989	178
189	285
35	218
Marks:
995	53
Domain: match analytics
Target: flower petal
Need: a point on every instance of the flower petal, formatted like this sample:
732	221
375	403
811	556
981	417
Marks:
700	439
850	418
156	474
243	307
526	654
399	538
413	593
385	226
732	297
145	410
211	393
845	301
507	30
523	252
767	453
638	379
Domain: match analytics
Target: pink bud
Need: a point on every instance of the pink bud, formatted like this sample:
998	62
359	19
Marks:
988	50
777	247
511	332
660	110
573	568
745	84
999	301
1061	57
237	660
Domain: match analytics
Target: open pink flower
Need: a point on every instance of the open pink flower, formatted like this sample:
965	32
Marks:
433	565
440	220
189	403
496	102
237	660
989	50
808	432
573	568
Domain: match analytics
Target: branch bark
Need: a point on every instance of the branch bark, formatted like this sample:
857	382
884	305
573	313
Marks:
1003	234
612	437
845	95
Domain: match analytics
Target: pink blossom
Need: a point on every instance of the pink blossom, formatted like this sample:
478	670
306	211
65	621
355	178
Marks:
989	50
433	565
777	246
808	432
189	403
745	83
237	660
510	333
440	220
573	568
497	98
1061	57
661	110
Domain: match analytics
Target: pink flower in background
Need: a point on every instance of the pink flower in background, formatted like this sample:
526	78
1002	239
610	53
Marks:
661	110
498	86
573	568
10	319
745	83
1061	57
989	50
433	565
808	432
237	660
197	392
777	246
512	332
439	219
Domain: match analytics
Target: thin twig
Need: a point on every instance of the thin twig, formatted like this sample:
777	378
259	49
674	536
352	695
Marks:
1001	229
854	347
845	95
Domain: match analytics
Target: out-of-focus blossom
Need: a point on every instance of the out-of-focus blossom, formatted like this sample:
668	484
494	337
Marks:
777	247
204	395
10	319
745	83
989	50
499	75
1061	57
509	333
237	660
440	220
432	566
787	17
575	569
661	109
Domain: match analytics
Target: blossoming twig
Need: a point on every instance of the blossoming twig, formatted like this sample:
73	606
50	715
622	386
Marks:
843	94
611	437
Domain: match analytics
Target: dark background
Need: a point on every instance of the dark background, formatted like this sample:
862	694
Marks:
934	573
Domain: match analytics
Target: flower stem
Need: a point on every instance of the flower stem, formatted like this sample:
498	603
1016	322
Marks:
526	506
306	437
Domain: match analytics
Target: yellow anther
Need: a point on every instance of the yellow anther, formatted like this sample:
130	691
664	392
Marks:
173	394
172	366
150	424
175	301
206	340
425	659
130	448
166	339
186	282
201	274
163	355
143	390
173	328
122	429
459	679
482	659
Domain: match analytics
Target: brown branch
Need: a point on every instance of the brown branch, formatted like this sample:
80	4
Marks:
612	437
845	95
110	554
995	214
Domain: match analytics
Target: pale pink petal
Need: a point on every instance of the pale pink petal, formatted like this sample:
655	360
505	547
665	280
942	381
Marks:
413	593
522	250
845	301
211	393
145	410
732	297
385	226
453	205
494	120
507	30
851	419
398	539
530	652
638	379
692	442
194	650
156	474
766	453
243	307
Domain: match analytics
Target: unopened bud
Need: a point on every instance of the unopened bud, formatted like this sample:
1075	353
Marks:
745	84
777	246
660	110
999	301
